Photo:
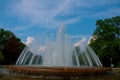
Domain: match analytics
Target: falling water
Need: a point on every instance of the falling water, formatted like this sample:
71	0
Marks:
61	53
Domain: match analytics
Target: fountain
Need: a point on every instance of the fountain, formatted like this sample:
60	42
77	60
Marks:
61	58
61	53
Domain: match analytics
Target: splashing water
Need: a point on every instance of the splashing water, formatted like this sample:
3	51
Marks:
61	53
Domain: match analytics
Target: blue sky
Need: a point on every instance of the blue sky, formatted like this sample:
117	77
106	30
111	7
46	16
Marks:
31	19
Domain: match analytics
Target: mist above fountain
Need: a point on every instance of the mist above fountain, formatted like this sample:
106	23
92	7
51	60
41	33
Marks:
61	53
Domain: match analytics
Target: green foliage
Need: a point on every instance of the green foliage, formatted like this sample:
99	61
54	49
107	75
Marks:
10	47
1	57
106	40
4	36
118	65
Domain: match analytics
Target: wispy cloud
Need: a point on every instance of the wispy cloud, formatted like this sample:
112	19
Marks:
47	13
40	12
20	28
94	3
79	36
23	34
107	13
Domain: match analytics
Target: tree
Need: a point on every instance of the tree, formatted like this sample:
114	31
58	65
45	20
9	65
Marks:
1	57
11	51
4	36
10	47
106	41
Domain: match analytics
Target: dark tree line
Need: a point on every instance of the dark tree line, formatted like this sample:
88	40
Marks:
106	41
10	47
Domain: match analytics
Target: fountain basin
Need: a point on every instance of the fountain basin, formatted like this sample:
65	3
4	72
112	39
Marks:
56	71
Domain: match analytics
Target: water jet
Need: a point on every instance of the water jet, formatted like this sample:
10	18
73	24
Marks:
61	58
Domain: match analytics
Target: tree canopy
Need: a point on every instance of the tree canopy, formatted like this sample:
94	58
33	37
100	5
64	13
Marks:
106	41
10	47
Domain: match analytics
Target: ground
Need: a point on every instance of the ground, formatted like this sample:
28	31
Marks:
112	75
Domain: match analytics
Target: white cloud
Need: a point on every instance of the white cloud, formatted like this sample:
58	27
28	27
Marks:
42	49
30	40
81	43
46	13
39	12
35	46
